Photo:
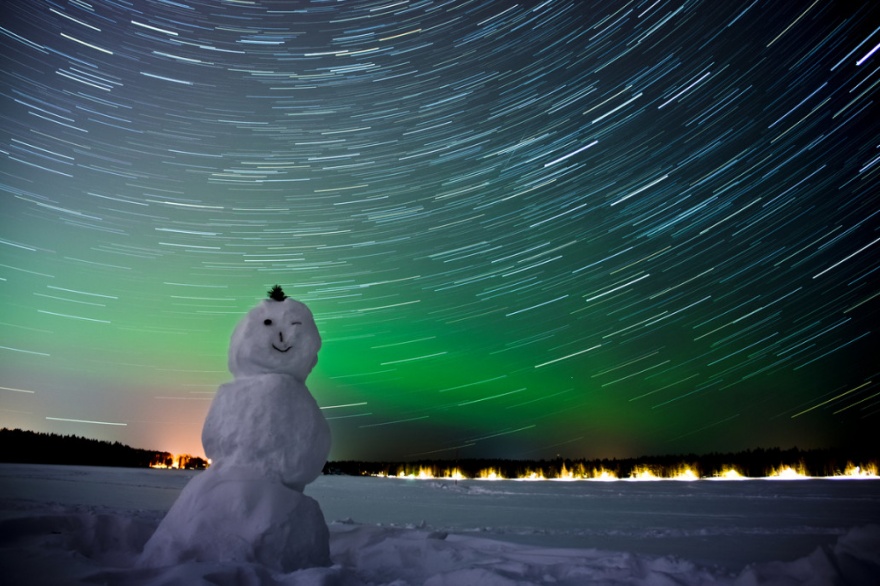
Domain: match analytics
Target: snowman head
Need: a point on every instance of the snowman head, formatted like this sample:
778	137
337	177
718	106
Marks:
277	336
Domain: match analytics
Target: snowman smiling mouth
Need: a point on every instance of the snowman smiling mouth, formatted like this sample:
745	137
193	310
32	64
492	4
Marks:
280	350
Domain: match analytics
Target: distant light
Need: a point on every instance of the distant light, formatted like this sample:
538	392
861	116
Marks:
797	472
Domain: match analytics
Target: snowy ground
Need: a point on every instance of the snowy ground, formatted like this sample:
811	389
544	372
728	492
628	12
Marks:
81	525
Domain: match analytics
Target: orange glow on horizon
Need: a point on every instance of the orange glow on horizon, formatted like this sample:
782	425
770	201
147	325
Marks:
179	461
166	463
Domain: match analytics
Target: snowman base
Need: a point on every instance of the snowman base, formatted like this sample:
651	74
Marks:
226	516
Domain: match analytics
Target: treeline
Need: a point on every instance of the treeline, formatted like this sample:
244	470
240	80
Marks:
30	447
21	446
750	463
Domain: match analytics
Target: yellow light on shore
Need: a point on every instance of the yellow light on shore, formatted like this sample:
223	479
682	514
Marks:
796	472
603	474
565	474
643	472
685	473
729	473
454	474
868	470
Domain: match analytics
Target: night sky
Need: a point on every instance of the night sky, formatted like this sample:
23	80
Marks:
579	228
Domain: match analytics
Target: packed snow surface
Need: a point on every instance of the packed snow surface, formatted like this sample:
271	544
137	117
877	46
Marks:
83	525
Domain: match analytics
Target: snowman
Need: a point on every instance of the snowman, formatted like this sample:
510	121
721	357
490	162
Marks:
267	439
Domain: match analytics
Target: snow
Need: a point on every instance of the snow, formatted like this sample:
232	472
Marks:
271	424
267	439
266	419
80	525
241	518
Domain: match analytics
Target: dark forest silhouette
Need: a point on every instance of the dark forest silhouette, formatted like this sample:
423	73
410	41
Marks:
31	447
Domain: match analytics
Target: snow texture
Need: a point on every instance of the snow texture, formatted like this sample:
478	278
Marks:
267	440
77	525
229	517
270	424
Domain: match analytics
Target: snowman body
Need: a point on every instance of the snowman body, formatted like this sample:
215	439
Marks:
271	424
267	439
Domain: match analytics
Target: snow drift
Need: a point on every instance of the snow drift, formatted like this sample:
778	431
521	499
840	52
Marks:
63	525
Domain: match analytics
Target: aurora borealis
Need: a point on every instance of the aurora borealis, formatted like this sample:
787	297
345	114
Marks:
581	228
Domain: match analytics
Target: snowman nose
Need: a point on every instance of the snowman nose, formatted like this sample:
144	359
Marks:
280	336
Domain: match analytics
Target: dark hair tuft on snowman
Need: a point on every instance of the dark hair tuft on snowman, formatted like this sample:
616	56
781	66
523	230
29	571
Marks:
276	293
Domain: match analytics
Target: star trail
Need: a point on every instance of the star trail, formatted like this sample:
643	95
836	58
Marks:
597	229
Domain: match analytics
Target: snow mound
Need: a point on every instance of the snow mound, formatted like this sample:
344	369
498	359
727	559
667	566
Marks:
241	520
853	560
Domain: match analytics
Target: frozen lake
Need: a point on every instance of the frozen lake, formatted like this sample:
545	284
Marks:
729	523
725	525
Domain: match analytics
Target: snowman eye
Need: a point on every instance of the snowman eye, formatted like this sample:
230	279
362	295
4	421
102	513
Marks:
296	323
267	322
